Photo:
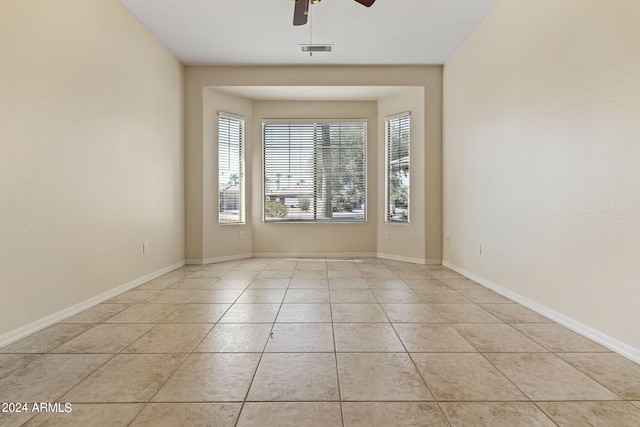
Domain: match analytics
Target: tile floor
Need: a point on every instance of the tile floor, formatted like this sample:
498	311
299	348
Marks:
276	342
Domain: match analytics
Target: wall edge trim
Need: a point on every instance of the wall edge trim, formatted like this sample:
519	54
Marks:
314	255
611	343
407	259
49	320
204	261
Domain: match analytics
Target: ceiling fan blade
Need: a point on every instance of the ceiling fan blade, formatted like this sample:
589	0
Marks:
367	3
300	12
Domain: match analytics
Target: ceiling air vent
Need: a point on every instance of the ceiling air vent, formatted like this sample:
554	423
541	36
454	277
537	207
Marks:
317	47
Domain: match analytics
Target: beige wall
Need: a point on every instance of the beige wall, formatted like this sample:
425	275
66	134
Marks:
405	241
222	241
308	238
315	239
90	156
541	129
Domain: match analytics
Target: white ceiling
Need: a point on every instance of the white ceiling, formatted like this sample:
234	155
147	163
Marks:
261	32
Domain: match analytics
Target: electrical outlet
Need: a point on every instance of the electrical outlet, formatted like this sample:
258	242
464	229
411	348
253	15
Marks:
145	248
387	235
241	235
449	240
478	249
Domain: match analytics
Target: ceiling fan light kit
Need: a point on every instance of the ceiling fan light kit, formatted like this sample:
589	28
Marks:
301	9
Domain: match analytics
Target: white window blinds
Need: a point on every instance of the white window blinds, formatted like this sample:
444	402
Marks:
230	169
315	171
397	139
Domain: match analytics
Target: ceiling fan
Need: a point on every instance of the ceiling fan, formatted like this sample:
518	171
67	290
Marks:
301	9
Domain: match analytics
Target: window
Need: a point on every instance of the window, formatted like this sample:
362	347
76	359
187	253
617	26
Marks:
397	132
314	171
230	169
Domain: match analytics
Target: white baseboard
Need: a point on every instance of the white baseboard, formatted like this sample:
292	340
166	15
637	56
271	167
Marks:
218	259
336	255
42	323
593	334
402	258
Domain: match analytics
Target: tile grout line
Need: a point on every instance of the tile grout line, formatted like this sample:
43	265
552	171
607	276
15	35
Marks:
178	365
429	387
113	355
186	356
415	366
255	372
584	372
335	351
392	267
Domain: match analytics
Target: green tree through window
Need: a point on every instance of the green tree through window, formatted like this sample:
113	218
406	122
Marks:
230	169
319	169
397	142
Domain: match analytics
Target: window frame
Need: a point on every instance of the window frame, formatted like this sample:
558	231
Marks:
361	219
388	150
241	123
